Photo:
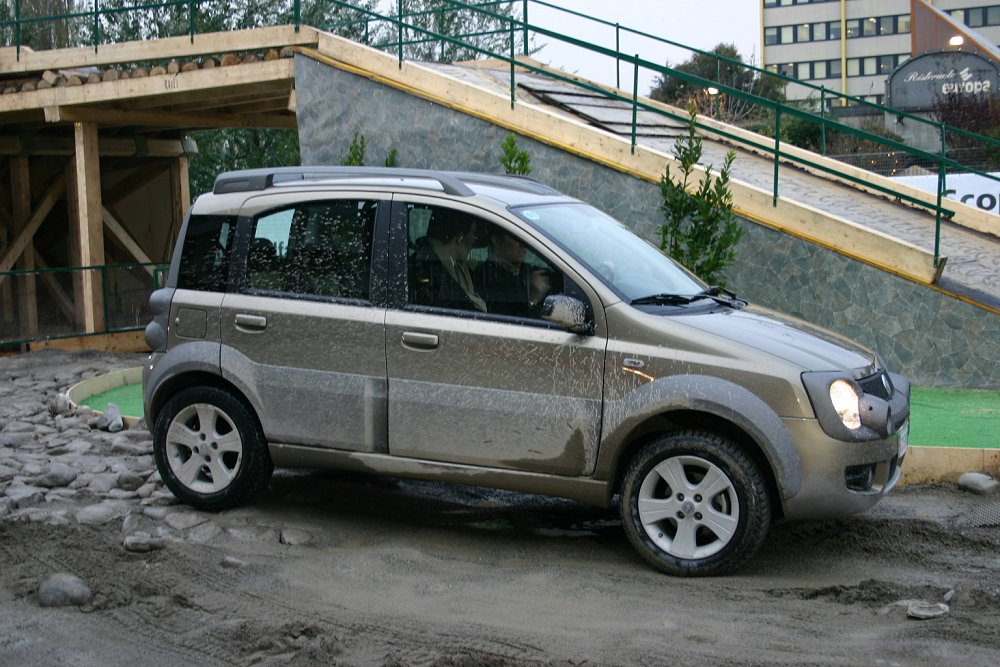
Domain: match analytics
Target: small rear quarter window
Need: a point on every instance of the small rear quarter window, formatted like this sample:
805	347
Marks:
205	255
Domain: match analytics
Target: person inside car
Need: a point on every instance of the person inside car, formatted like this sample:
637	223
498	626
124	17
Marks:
439	270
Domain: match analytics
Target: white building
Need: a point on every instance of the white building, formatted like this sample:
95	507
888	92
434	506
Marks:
851	46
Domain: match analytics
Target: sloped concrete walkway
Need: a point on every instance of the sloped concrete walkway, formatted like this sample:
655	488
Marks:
973	266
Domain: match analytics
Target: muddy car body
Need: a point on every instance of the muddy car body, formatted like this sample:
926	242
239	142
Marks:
615	373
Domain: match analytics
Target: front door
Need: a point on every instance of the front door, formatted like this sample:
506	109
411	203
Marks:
475	376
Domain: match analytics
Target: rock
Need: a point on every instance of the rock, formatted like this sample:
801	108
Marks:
6	473
203	532
62	590
58	474
111	75
93	77
59	404
74	81
28	87
158	513
232	563
159	70
146	490
103	482
230	59
143	543
271	54
50	77
923	610
250	59
19	427
173	67
43	85
978	482
129	481
23	494
109	420
6	506
294	537
209	63
189	66
96	515
184	520
139	73
287	52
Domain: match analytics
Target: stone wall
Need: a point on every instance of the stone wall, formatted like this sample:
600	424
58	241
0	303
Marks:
933	338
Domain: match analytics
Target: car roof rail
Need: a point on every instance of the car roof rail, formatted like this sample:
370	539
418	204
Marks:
250	180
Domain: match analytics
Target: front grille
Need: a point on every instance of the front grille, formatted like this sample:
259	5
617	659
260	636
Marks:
875	385
860	478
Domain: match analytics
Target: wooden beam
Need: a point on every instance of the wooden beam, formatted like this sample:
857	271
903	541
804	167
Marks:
166	118
60	296
180	201
38	216
109	147
253	76
27	296
119	232
124	341
87	230
256	39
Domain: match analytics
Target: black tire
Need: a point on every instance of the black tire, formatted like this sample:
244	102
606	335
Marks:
714	520
215	465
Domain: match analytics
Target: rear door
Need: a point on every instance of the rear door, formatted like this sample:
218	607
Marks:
486	388
303	330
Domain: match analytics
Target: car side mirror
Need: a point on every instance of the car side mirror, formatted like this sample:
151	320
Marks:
567	312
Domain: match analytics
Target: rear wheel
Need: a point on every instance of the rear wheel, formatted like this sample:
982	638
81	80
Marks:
210	449
693	503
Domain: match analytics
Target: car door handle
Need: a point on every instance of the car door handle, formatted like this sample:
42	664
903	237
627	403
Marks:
424	341
251	322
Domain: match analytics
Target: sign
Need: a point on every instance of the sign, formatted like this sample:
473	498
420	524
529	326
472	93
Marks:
971	189
919	82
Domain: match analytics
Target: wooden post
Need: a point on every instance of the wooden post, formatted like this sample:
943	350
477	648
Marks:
87	227
27	298
180	201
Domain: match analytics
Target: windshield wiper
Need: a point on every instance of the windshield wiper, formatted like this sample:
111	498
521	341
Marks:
664	299
717	294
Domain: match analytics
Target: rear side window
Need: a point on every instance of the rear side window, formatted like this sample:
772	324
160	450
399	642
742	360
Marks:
208	245
321	248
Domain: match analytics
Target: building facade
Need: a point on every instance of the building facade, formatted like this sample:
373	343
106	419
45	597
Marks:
851	46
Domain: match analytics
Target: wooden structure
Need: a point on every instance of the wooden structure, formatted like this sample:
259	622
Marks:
94	152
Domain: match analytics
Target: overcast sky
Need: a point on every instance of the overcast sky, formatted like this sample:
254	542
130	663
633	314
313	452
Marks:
702	25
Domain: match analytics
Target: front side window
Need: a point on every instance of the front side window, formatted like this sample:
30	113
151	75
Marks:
461	262
315	249
208	245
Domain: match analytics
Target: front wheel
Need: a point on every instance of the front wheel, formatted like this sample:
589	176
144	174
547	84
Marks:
694	503
210	450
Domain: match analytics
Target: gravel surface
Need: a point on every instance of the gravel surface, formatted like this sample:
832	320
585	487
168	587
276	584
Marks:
342	569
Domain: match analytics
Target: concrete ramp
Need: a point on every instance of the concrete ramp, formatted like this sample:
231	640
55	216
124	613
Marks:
834	253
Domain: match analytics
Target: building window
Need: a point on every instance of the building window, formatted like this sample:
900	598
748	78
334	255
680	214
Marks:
975	18
853	28
993	15
886	64
835	69
819	32
834	29
770	36
802	33
787	34
903	24
869	27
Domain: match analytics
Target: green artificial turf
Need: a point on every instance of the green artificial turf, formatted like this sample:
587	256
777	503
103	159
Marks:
938	417
955	418
128	397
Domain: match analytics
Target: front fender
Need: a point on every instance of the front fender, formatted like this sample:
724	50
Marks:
710	396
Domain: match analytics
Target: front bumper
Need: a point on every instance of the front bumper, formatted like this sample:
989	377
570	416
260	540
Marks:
840	478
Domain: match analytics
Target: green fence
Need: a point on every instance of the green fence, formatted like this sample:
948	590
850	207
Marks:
41	304
502	29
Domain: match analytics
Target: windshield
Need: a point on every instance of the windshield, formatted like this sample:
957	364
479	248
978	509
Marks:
631	266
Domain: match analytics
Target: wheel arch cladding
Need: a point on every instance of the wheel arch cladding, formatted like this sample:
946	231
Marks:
624	420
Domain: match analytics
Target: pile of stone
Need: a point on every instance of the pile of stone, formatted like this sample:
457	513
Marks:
68	78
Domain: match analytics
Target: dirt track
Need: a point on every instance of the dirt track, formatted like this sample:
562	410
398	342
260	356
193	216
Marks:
388	572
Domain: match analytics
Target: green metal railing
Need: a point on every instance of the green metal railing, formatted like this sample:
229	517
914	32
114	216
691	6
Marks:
39	303
400	32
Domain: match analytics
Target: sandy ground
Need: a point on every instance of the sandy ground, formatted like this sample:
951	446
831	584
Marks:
329	568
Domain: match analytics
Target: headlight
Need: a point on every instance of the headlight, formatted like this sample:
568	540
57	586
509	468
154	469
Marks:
846	402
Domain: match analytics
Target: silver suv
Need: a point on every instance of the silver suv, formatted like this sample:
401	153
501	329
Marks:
489	330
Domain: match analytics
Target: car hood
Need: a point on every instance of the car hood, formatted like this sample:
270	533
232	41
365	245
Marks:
810	347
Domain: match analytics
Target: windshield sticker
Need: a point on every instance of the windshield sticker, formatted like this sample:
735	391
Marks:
531	215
